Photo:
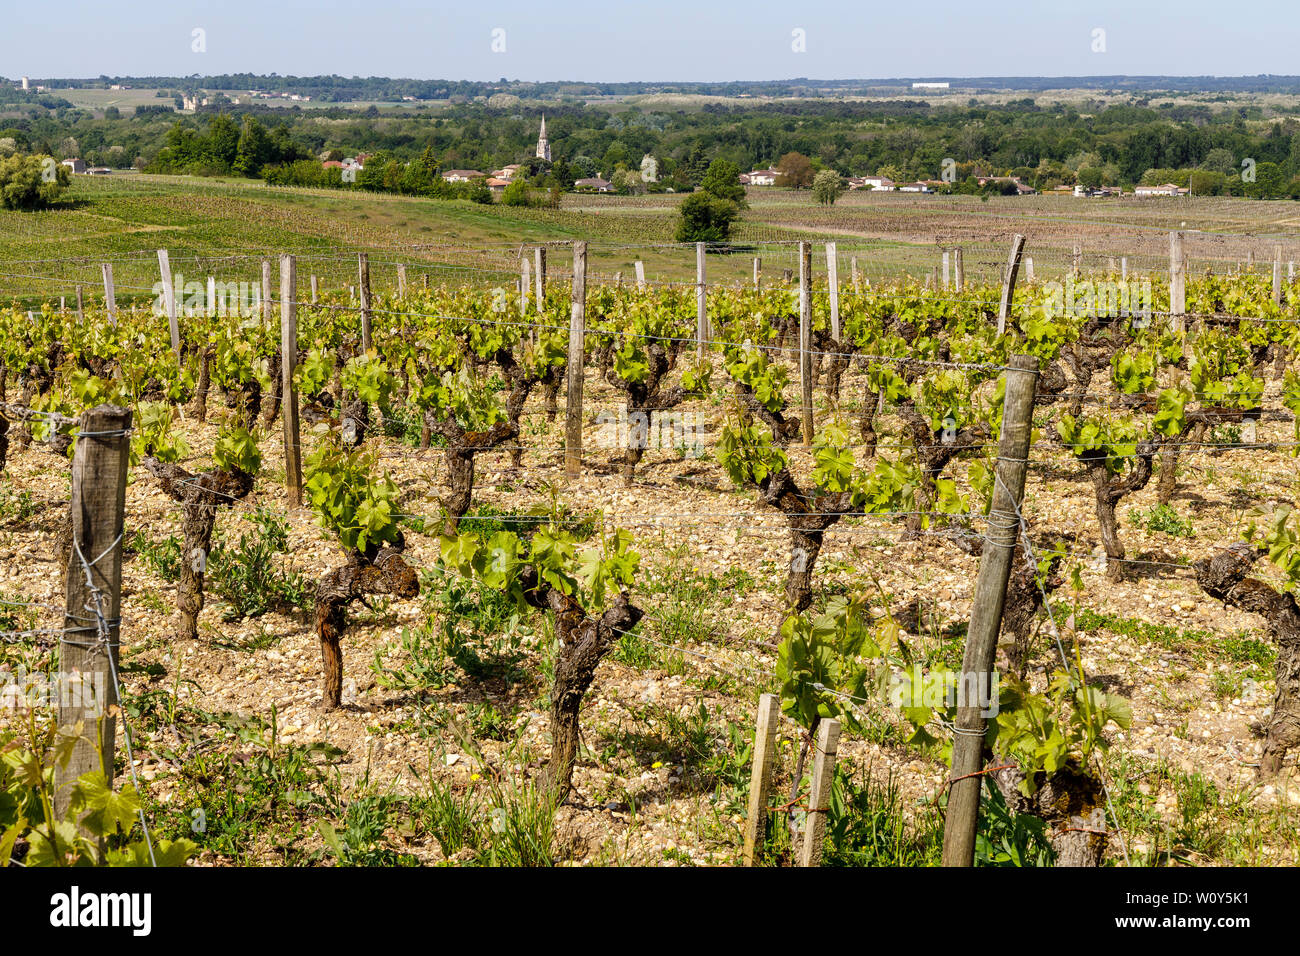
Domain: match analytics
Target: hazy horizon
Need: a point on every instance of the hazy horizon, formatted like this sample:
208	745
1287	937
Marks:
583	41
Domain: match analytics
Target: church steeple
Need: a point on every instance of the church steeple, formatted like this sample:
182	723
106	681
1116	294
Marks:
543	145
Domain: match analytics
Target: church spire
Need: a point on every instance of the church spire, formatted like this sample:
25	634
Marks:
543	145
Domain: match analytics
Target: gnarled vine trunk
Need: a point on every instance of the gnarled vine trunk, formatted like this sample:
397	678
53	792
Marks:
584	640
1071	802
1223	577
199	495
385	573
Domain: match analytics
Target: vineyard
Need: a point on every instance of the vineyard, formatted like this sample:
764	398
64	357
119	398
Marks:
518	561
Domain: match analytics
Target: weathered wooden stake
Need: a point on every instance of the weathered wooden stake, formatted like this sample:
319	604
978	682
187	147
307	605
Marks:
88	649
819	794
525	284
315	289
1009	281
758	273
946	270
268	302
639	266
1277	275
701	303
958	270
363	282
288	390
81	305
856	275
805	339
986	614
1029	268
1177	283
577	339
210	303
760	776
539	277
833	287
110	299
1123	268
169	301
1076	259
401	280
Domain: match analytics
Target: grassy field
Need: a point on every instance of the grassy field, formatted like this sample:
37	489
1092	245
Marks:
223	227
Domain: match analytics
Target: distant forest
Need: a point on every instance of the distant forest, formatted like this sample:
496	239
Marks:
1213	148
344	89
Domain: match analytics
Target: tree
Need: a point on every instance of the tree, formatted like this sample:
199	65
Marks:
516	194
31	182
707	215
723	181
1090	177
827	187
796	171
254	148
705	218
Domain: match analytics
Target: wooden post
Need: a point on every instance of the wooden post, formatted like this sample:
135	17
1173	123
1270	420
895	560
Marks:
1277	275
758	273
819	794
169	300
401	280
1029	268
1009	282
946	269
1110	265
1290	270
760	775
539	277
210	303
1177	282
363	281
1076	259
1123	268
289	391
525	285
315	289
986	613
787	275
857	276
805	339
639	266
81	305
833	287
110	300
701	303
577	338
958	270
88	649
267	307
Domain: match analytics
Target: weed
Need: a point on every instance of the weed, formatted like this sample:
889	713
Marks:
245	575
1163	519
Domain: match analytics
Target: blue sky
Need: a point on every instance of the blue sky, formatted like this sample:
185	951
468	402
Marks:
650	40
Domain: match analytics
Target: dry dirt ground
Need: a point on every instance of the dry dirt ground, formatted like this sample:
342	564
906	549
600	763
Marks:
665	715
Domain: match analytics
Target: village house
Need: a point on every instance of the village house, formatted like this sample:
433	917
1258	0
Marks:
461	175
497	184
883	183
1167	189
593	184
76	165
760	177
